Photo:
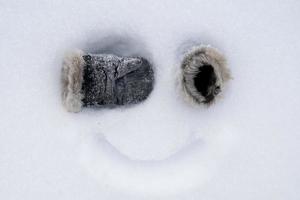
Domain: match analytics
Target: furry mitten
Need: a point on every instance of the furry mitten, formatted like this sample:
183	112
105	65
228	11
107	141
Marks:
203	74
104	80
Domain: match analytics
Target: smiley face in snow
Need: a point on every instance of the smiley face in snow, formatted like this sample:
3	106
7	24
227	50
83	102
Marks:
107	80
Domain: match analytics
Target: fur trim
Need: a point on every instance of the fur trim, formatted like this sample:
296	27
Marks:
72	78
200	56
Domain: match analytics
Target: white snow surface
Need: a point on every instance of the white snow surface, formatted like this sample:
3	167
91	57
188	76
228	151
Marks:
246	146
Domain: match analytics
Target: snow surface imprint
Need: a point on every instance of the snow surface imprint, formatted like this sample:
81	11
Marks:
245	146
185	170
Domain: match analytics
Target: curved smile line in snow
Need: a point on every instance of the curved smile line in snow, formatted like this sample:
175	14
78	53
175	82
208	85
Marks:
185	170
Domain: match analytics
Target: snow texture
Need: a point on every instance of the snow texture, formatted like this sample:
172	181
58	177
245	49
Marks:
244	146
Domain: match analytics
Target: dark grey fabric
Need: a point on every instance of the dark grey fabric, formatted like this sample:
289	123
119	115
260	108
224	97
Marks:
110	80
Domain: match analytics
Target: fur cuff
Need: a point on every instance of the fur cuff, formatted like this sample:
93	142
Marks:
203	74
72	79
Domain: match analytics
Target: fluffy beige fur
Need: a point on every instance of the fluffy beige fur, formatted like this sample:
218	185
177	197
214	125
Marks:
189	68
72	78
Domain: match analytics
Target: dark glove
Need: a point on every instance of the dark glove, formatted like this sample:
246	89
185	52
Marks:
105	80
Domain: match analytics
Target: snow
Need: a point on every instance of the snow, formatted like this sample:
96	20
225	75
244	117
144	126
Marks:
246	146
